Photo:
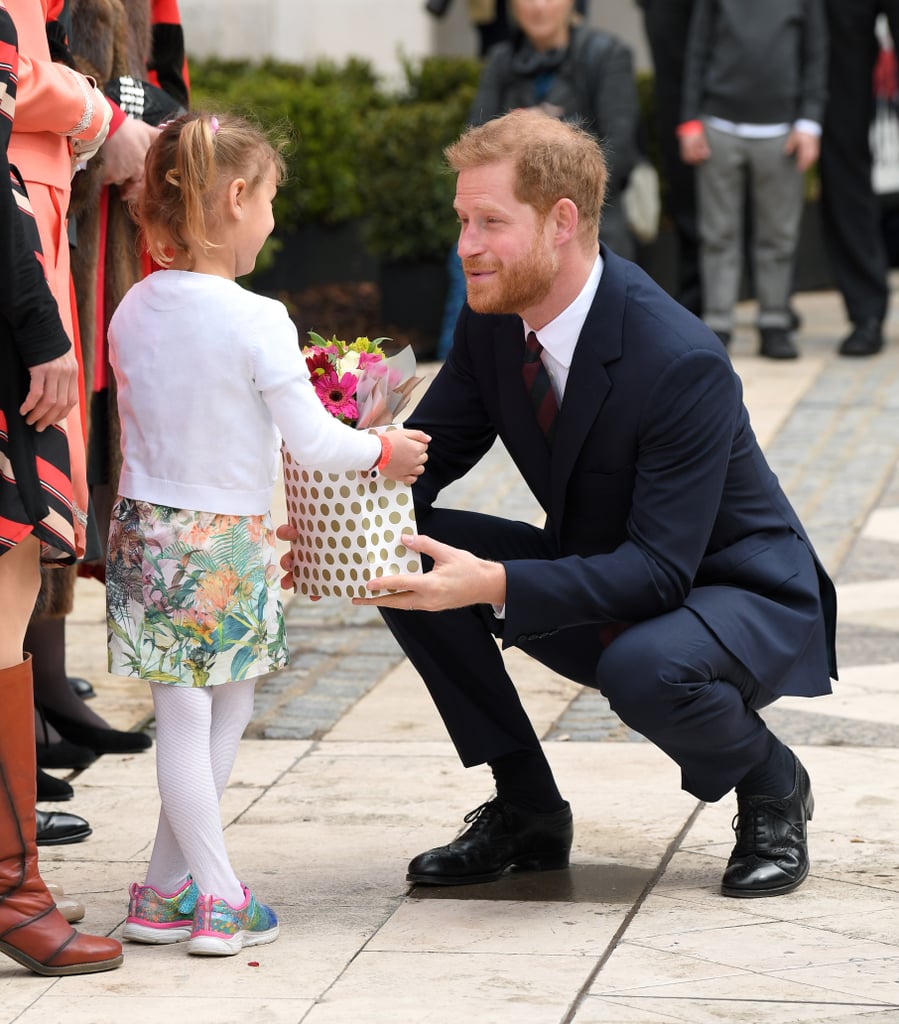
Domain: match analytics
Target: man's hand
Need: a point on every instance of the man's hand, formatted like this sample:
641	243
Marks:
124	153
457	580
53	391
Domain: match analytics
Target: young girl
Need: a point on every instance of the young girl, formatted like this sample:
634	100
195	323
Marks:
210	377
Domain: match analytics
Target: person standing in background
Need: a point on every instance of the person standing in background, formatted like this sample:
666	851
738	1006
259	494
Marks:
572	72
849	207
667	23
754	97
489	17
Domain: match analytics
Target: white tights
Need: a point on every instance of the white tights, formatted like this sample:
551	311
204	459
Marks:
197	735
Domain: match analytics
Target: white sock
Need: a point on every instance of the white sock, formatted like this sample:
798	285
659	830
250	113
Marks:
198	732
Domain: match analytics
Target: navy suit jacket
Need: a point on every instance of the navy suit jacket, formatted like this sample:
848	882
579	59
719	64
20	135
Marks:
656	492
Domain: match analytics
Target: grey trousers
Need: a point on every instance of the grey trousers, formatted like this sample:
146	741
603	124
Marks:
776	197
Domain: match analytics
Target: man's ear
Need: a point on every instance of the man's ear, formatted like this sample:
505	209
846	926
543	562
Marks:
565	220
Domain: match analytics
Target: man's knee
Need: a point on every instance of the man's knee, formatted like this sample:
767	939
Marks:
639	678
627	672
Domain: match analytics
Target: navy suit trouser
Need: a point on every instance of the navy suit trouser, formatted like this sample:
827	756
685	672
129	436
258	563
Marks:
668	678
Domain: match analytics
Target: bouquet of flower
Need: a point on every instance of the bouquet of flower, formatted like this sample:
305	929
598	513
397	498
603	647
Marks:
359	383
351	524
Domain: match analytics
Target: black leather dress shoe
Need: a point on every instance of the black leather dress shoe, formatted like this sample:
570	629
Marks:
866	339
501	836
777	343
795	318
99	740
81	687
771	854
51	788
64	754
53	828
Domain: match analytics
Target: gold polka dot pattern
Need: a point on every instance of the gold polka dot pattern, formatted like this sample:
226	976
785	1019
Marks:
350	528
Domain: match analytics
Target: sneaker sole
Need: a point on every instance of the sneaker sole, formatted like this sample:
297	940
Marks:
212	944
156	935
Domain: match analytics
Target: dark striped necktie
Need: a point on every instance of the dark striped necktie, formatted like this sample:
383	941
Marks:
539	387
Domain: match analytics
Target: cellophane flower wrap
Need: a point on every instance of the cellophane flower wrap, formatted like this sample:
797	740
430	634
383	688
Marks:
350	524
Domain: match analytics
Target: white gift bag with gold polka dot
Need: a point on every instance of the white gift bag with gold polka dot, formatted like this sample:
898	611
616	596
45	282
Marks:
350	528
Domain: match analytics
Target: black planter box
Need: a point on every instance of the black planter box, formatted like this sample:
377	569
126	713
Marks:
412	299
317	255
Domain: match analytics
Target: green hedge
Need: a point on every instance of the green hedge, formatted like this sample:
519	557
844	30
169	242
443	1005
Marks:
355	149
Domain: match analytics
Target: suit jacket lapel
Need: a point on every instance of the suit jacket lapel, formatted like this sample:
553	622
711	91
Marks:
523	438
600	342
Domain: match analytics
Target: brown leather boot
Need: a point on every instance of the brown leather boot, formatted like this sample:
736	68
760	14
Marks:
32	931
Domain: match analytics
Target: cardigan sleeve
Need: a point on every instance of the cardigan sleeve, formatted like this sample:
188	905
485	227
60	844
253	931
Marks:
313	437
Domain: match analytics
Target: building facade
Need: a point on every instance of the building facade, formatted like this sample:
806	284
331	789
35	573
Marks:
381	31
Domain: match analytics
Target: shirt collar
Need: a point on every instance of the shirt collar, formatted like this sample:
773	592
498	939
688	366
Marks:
559	337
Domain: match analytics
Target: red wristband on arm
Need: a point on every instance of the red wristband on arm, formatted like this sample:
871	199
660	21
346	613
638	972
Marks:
689	128
386	452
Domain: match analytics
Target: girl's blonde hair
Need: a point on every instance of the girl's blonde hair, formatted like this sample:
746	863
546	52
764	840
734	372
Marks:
187	166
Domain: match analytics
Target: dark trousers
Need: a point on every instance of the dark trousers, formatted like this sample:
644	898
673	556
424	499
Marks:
850	209
667	23
667	678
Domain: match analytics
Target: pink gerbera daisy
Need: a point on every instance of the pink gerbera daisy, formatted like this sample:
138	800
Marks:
336	394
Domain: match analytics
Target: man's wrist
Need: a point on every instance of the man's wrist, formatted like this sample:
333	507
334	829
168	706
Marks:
495	583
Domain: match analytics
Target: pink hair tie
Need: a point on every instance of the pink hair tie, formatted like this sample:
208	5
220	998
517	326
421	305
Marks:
214	124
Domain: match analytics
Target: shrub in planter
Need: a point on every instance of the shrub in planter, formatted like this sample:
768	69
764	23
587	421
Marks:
318	110
405	186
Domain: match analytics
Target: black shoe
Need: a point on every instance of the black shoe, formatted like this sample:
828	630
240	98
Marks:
795	318
95	738
64	755
866	339
777	343
771	854
51	788
501	836
53	828
81	688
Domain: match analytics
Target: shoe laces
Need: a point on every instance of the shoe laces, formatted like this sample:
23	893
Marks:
752	822
482	814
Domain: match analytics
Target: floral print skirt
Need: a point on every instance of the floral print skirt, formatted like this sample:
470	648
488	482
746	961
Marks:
192	598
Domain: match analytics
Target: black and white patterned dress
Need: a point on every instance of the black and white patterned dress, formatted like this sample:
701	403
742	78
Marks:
35	480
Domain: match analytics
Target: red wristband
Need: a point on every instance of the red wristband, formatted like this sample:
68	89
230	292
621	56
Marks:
386	452
689	128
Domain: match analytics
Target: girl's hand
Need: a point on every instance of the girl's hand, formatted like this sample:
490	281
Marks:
408	457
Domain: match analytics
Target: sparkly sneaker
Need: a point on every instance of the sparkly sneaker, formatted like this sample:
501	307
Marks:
222	930
159	919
